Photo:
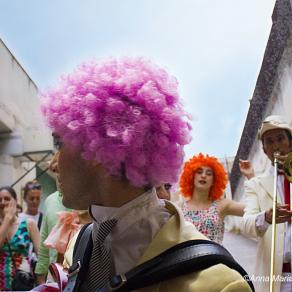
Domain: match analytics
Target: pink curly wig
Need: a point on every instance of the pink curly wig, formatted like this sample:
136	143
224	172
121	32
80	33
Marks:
188	175
125	114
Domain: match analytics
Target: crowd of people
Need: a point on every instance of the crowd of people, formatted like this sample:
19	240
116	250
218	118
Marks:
119	130
30	244
17	235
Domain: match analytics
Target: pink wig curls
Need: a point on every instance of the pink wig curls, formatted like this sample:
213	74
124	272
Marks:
125	114
188	175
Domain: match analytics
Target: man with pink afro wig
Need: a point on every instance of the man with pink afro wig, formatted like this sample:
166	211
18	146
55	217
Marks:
126	115
120	130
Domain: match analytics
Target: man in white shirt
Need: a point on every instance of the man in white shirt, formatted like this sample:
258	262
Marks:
275	135
120	129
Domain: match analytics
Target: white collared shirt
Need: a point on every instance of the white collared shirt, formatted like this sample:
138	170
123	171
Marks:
138	222
262	225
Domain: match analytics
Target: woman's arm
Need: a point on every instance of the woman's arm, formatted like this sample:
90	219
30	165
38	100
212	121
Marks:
9	217
230	207
34	234
43	255
4	229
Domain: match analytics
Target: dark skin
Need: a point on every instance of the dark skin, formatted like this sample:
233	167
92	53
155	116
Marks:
277	140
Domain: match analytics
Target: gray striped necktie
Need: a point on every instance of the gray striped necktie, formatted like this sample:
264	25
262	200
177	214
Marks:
100	265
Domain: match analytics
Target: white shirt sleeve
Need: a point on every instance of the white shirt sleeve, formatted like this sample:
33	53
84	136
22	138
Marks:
261	224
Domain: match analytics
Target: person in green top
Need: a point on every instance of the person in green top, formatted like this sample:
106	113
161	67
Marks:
53	204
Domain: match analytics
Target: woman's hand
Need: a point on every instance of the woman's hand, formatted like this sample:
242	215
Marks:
10	211
6	225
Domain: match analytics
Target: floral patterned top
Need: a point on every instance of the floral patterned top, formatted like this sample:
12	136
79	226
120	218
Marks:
207	221
19	247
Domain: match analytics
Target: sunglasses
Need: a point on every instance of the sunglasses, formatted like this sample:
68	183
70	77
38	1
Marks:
34	186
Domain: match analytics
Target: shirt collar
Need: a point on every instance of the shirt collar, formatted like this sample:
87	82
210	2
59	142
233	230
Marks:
101	213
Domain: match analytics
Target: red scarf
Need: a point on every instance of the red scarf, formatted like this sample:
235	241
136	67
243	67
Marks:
287	191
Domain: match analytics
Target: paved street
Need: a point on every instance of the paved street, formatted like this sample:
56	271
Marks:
242	249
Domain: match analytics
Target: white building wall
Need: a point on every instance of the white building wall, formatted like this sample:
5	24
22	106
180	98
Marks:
21	126
280	104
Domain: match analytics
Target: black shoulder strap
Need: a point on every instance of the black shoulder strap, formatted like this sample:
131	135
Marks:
81	255
83	238
181	259
40	220
184	258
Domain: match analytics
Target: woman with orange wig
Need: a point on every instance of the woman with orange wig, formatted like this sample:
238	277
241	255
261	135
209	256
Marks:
202	183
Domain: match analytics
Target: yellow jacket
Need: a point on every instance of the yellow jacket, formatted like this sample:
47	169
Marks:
214	279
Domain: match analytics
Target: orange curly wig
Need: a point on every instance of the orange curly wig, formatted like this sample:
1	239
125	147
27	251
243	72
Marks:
187	178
